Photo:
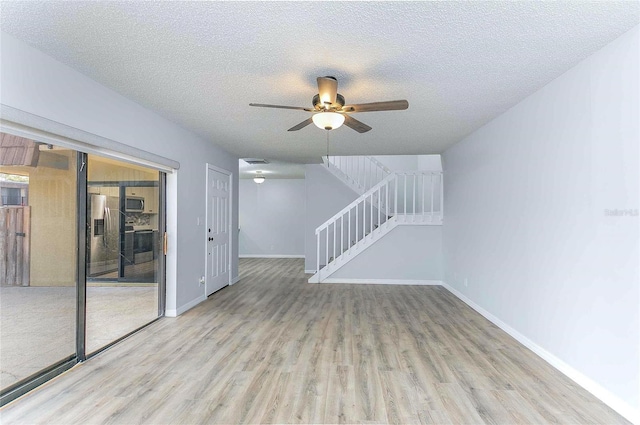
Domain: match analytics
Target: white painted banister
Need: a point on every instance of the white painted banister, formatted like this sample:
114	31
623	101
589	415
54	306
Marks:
360	172
413	197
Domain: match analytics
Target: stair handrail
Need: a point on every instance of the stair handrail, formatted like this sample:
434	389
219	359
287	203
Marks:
407	197
356	171
380	164
334	250
358	200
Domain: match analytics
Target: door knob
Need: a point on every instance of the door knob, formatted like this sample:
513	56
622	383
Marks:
210	239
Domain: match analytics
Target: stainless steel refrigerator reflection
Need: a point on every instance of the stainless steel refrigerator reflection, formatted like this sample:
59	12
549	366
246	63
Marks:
104	234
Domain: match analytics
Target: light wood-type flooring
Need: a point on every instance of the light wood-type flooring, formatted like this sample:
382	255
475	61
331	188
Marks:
275	349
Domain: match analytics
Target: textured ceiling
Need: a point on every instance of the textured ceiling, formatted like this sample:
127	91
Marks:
200	64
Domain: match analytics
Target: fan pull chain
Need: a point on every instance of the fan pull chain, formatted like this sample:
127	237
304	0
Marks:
328	162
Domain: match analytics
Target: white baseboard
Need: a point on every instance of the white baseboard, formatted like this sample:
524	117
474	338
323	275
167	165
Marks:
382	281
271	256
193	303
610	399
188	306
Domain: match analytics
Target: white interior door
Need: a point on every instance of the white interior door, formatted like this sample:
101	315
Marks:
218	230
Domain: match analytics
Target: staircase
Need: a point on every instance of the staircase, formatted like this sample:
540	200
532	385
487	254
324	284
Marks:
360	173
387	199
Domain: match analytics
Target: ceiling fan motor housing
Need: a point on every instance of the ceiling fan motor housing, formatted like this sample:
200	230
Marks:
336	106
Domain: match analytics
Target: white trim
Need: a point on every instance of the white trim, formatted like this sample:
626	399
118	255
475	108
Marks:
218	169
206	219
310	272
382	281
183	308
606	396
235	280
271	256
401	221
25	124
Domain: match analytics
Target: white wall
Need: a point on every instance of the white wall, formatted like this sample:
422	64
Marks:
272	217
411	162
399	162
406	253
525	221
326	195
37	84
430	162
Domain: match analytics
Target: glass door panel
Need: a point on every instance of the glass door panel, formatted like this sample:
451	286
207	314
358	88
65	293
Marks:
38	265
123	228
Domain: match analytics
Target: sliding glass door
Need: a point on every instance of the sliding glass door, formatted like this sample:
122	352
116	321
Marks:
38	258
81	257
123	249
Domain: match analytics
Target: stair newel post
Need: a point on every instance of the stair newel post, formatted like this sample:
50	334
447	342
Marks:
432	190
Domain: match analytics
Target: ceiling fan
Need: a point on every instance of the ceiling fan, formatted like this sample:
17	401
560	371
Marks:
330	112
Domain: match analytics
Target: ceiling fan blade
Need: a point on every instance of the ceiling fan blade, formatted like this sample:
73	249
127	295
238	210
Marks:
264	105
328	90
303	124
353	123
391	105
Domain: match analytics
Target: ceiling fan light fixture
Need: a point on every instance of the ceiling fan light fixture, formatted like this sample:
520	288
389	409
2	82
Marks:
328	120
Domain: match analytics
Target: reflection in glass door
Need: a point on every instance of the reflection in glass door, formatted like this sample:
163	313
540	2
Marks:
81	259
38	265
123	249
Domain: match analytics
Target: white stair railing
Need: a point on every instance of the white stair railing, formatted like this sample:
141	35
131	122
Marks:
361	172
413	197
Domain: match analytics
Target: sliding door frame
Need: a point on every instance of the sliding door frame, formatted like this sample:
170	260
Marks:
31	382
38	129
83	243
162	239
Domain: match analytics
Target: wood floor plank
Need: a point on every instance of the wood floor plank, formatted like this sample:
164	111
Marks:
340	397
273	348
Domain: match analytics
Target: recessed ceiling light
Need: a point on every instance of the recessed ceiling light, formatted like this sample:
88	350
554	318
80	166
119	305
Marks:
259	178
